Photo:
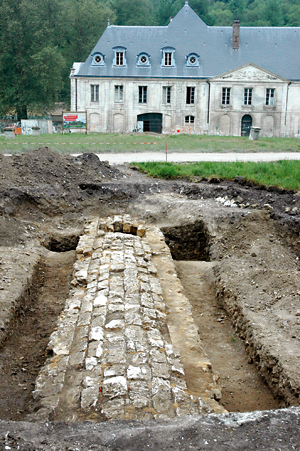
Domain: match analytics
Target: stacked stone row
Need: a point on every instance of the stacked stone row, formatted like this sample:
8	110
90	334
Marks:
112	355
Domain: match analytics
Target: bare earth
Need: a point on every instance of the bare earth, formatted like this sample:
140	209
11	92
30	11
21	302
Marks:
239	267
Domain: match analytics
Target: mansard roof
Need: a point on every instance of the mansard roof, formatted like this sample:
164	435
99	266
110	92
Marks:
275	49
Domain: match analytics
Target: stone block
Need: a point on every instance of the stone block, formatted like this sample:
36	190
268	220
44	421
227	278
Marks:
84	319
114	387
98	320
142	372
177	366
137	358
141	231
155	338
184	402
155	286
178	381
126	224
117	223
117	267
90	362
86	306
139	394
145	287
114	409
112	307
100	300
115	370
160	370
162	398
96	333
92	348
89	397
77	358
61	339
157	355
147	300
115	324
132	315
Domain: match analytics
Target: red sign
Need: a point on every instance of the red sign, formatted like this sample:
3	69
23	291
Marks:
71	117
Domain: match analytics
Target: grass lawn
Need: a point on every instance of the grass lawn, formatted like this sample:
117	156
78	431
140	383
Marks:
284	173
113	142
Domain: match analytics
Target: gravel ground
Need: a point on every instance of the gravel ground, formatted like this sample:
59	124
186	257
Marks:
172	157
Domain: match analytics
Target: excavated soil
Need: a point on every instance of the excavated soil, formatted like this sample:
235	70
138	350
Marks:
239	266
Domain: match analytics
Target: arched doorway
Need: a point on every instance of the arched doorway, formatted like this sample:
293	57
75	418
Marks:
246	125
152	122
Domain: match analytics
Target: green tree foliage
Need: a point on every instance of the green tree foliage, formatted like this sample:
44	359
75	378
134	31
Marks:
133	12
25	44
39	41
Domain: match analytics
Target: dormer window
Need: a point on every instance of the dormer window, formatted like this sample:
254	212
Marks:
168	57
98	59
119	56
192	60
143	60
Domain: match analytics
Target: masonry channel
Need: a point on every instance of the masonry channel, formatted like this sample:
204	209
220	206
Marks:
120	349
243	388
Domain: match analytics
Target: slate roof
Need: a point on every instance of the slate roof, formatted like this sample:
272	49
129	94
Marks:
273	48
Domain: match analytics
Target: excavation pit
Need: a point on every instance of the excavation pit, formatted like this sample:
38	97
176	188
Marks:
59	243
189	241
255	274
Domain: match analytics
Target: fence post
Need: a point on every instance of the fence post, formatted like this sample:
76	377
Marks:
166	151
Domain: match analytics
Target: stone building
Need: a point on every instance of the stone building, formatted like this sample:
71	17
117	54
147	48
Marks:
188	77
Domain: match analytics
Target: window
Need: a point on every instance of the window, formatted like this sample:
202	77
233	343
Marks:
168	59
190	95
166	94
98	59
248	96
118	93
143	60
192	60
119	58
189	120
225	96
94	93
270	96
142	94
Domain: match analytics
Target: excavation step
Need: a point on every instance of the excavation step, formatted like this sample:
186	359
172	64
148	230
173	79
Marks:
112	356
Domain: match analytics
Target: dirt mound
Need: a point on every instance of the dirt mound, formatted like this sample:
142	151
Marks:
45	180
45	166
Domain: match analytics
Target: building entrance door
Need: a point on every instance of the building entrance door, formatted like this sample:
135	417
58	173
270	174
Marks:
152	122
246	125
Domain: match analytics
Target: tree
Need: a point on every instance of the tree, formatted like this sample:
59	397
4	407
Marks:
273	13
31	66
85	21
164	10
220	15
133	12
237	7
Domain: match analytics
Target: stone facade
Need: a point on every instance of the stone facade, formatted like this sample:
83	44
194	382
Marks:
210	116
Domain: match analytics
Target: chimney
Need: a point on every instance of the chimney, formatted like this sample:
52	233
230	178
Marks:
236	34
